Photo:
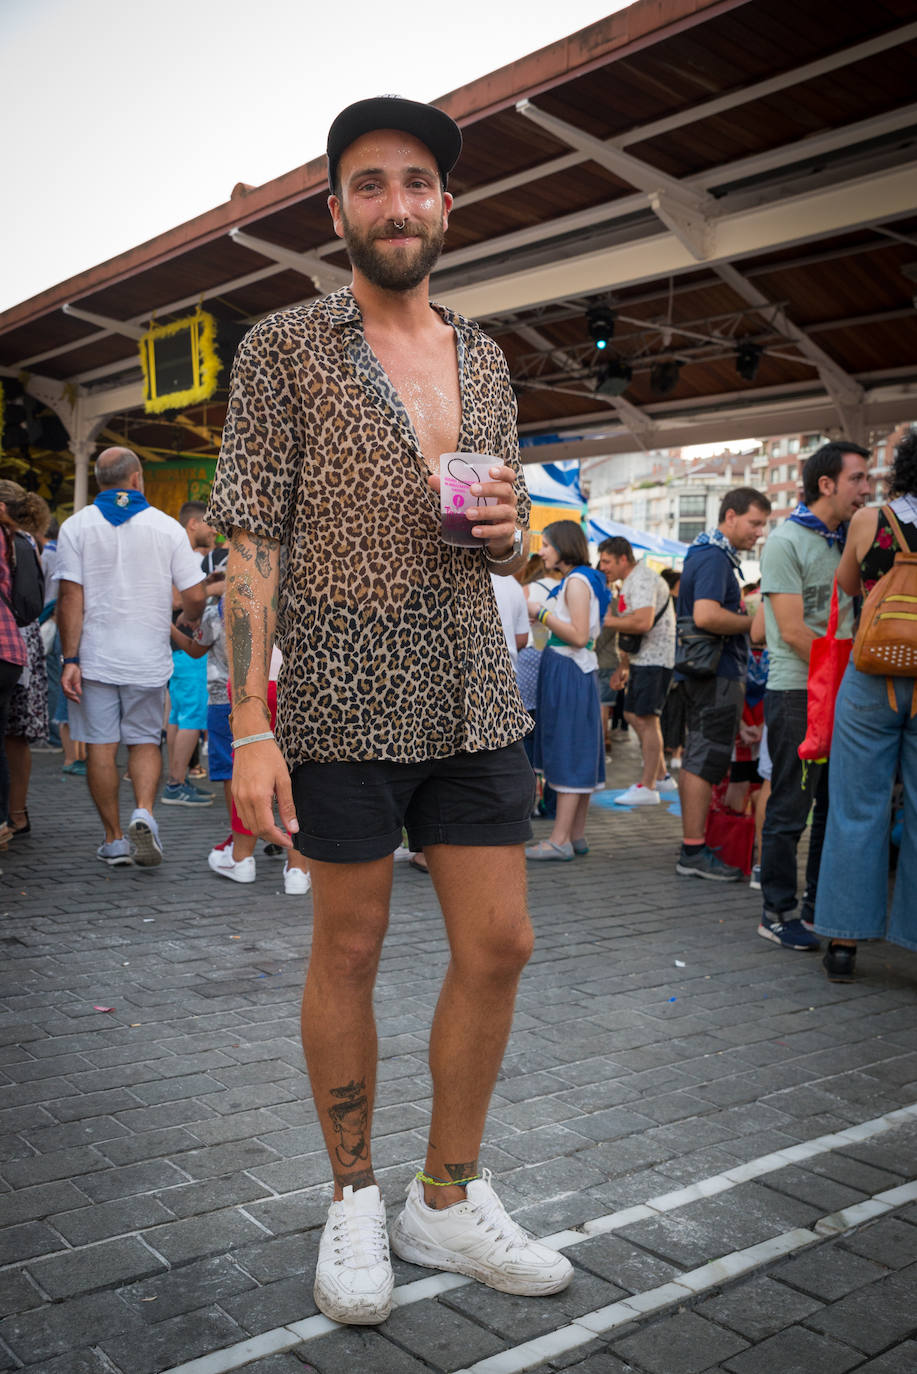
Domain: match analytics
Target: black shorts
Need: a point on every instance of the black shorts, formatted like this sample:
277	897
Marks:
647	688
355	812
713	709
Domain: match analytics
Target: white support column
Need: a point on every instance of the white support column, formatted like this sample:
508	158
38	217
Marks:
82	450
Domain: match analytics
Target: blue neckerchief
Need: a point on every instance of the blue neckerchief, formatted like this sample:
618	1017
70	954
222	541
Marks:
597	583
803	516
717	538
118	506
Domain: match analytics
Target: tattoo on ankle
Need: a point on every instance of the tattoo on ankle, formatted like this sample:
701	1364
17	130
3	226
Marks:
363	1178
350	1118
463	1170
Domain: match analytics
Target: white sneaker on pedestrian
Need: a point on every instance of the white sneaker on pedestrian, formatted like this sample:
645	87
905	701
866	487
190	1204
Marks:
296	881
353	1277
478	1238
143	833
221	861
666	784
638	795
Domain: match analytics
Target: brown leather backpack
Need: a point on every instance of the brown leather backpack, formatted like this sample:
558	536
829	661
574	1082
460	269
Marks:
886	642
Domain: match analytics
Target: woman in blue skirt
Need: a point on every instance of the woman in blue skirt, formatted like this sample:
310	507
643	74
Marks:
569	744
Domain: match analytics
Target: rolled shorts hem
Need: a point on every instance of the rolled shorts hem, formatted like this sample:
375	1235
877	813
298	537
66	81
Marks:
369	848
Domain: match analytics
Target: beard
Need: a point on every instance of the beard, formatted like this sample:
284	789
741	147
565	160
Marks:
400	270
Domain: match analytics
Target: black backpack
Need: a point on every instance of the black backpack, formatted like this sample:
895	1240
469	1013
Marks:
27	596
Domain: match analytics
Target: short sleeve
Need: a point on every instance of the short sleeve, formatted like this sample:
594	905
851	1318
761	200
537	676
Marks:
208	630
639	589
186	564
259	461
69	566
712	581
780	569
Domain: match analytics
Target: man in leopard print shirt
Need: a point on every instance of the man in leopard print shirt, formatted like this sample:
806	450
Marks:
397	701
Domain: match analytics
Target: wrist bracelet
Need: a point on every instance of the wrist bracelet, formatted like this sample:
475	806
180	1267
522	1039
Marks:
252	739
542	615
504	558
70	660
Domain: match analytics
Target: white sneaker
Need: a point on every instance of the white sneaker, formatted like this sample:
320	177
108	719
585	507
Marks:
666	784
638	795
353	1277
478	1238
296	882
238	871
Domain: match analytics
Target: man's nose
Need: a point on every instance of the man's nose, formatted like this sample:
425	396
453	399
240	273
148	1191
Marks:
397	204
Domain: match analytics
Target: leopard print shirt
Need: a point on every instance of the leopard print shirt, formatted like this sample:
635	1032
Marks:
392	643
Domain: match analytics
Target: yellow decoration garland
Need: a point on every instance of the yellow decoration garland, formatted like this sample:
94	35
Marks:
204	357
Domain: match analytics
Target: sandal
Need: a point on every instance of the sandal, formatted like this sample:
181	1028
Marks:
416	864
6	834
547	849
20	829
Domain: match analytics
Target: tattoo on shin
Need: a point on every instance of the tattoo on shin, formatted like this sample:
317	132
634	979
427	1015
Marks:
360	1178
350	1118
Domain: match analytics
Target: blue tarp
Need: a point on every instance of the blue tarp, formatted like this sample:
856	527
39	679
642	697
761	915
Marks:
639	539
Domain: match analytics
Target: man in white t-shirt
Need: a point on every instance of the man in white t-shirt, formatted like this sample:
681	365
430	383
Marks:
514	615
645	609
117	562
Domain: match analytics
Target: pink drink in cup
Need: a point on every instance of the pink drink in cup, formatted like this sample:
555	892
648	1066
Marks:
457	471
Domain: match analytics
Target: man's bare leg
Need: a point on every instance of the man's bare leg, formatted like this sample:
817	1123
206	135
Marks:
482	895
350	917
181	745
144	763
695	803
104	781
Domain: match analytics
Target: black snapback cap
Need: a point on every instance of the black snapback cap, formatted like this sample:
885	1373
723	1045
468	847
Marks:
425	122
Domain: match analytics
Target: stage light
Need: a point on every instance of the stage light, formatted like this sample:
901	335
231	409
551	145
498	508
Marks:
748	357
601	322
614	378
664	376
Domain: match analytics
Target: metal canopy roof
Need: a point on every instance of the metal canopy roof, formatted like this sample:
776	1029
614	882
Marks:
713	172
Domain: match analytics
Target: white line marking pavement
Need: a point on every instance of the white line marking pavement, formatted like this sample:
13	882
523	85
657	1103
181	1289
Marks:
584	1328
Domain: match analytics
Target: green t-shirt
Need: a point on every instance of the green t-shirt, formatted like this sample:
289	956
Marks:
799	561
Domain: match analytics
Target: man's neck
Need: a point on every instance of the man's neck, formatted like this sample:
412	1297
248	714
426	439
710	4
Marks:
406	312
822	509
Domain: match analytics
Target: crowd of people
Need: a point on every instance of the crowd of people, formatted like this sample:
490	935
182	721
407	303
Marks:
361	693
714	677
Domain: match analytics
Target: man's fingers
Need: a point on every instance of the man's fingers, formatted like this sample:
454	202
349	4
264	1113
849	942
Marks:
285	806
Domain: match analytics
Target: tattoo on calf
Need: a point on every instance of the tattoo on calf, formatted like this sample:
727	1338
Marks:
350	1118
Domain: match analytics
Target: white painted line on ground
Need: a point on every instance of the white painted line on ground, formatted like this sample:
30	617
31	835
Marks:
586	1327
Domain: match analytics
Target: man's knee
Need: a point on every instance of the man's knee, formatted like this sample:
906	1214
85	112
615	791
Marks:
502	951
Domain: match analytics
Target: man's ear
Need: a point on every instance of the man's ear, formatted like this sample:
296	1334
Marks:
334	207
447	206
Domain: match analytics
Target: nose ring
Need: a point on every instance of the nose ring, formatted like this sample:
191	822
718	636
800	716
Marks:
398	223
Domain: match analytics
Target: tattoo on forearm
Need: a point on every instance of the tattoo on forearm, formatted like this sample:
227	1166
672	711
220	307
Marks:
350	1119
463	1170
241	640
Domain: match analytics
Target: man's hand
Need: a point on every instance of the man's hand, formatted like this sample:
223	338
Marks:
618	680
71	681
496	524
258	772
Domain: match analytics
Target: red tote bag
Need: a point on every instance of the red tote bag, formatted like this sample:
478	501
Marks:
827	665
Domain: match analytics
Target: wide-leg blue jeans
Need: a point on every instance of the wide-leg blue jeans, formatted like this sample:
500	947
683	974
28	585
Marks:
870	743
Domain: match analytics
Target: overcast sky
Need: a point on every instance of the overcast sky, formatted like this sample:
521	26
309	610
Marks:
124	119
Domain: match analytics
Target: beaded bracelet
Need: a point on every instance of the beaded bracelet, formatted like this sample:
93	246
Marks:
252	739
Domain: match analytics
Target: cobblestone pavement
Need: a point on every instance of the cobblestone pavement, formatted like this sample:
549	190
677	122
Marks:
163	1184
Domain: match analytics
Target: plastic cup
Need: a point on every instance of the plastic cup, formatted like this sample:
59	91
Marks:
457	471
